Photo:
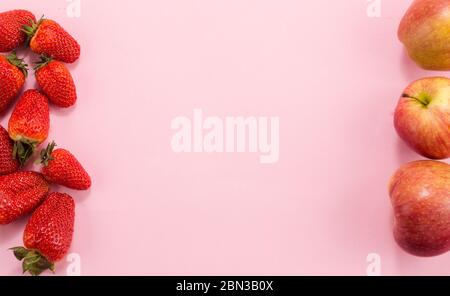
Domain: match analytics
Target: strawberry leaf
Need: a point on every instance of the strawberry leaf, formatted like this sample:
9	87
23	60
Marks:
23	150
33	261
46	154
20	253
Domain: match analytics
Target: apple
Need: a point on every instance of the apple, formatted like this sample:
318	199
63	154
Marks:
422	117
420	196
425	32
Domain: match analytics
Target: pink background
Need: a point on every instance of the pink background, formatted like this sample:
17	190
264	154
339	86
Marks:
333	76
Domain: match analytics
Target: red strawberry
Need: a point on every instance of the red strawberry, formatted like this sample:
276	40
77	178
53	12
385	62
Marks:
8	164
20	193
11	24
62	168
56	82
29	124
13	72
49	38
48	234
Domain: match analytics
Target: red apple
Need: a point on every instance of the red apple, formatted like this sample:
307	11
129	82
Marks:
422	118
420	195
425	32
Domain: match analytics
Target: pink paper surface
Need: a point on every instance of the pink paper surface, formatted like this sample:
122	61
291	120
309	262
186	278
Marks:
329	71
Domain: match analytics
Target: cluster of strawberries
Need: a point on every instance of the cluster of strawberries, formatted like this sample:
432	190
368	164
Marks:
48	234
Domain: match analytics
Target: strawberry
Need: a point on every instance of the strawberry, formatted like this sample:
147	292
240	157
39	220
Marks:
29	124
49	38
8	164
13	72
48	234
11	24
20	194
62	168
56	82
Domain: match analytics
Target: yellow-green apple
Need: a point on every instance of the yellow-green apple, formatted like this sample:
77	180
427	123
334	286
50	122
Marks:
420	196
422	117
425	32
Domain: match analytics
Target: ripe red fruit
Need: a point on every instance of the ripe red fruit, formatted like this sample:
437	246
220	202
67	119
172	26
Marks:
62	168
422	117
56	82
20	194
49	38
8	164
48	234
11	24
29	124
13	72
424	32
420	197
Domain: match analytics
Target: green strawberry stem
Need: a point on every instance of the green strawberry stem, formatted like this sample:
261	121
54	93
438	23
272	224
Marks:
32	261
31	30
23	150
45	60
46	154
17	62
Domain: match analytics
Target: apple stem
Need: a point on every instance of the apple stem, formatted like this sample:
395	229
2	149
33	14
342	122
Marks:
423	101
